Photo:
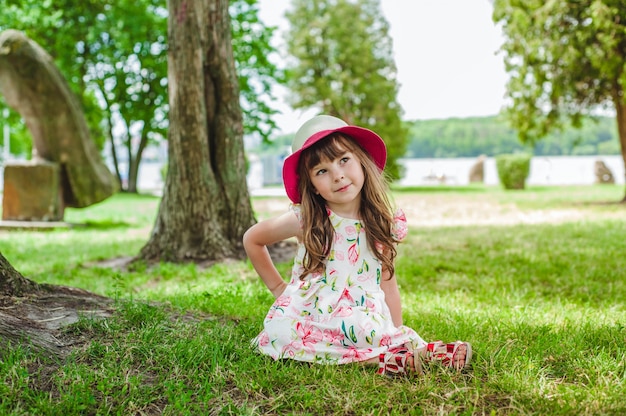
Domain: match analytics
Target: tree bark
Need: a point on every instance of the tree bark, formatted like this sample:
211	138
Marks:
12	283
206	206
32	315
620	109
35	88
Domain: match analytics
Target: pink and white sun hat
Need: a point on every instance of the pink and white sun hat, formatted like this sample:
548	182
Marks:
315	130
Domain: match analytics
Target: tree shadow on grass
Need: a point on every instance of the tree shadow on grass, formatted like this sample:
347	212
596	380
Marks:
105	225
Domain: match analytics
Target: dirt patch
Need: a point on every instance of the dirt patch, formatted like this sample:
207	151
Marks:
433	210
443	209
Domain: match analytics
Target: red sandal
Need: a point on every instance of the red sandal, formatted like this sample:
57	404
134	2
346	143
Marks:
395	362
446	354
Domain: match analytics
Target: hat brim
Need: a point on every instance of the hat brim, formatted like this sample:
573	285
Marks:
367	139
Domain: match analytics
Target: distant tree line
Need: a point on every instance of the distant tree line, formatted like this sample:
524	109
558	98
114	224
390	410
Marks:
565	60
490	136
470	137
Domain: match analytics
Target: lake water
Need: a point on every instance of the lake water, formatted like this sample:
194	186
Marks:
544	170
552	170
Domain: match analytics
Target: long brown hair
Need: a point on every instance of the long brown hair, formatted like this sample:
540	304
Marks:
375	208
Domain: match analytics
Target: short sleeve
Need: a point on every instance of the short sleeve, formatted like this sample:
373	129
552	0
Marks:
400	227
297	209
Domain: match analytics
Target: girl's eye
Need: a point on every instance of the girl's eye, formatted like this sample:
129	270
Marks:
344	159
320	172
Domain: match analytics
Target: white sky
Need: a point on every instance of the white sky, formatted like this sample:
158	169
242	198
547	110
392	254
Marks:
445	52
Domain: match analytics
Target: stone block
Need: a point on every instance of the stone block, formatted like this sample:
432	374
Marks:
32	192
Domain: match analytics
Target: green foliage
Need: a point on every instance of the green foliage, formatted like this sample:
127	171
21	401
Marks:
565	59
513	170
54	26
491	135
21	142
475	136
114	56
542	304
343	65
456	137
257	74
163	172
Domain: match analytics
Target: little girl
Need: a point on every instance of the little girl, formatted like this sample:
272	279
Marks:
342	303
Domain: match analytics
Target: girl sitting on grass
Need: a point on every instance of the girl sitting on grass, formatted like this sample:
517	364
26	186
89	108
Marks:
342	303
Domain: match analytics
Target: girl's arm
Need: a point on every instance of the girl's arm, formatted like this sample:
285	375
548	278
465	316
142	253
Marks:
262	234
392	297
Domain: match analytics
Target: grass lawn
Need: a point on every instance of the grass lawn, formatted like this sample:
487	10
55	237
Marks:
534	279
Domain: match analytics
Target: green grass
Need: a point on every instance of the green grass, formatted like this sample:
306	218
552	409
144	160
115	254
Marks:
542	304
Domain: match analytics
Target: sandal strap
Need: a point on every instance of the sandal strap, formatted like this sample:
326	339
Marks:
394	362
446	354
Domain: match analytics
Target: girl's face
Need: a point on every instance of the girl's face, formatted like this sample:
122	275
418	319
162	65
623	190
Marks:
339	181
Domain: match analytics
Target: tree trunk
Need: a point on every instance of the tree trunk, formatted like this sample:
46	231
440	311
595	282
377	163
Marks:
12	283
206	206
135	160
620	109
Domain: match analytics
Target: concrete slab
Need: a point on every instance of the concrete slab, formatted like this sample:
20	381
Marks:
37	225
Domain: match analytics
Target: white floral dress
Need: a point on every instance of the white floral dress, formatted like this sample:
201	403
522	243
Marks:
338	316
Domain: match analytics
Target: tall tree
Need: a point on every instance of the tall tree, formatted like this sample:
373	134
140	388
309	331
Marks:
566	60
114	53
343	65
257	74
205	207
126	68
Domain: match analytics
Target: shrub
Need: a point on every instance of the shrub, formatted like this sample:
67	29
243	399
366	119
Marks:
513	169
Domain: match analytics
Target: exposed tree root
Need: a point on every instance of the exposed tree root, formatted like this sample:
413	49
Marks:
36	320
